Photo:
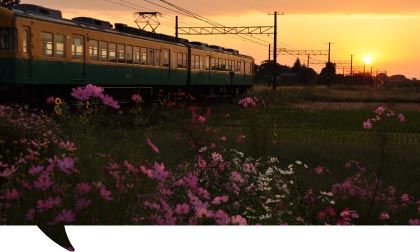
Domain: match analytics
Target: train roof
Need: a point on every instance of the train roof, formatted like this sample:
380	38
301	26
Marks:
51	15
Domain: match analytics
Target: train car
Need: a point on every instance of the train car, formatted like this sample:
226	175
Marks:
42	53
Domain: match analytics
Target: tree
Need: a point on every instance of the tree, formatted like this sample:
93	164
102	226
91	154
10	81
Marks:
297	67
327	74
8	3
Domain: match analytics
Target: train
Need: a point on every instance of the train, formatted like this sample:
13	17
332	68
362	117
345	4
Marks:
42	53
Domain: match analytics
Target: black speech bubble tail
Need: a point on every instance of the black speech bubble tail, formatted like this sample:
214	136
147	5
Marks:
58	235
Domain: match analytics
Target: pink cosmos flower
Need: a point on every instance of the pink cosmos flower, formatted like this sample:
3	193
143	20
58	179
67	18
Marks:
54	201
196	202
319	169
240	138
82	204
154	148
191	180
92	90
50	100
201	119
66	164
236	177
367	124
380	110
159	172
131	167
414	222
201	162
203	193
136	98
42	206
405	198
223	138
202	149
220	199
109	101
69	146
383	216
146	171
221	218
401	117
105	194
80	94
43	182
65	216
238	220
250	168
217	157
83	188
12	194
182	209
203	212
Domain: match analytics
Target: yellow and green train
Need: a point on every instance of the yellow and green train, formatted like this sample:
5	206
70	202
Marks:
40	50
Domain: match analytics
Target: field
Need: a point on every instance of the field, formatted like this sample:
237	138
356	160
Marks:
294	156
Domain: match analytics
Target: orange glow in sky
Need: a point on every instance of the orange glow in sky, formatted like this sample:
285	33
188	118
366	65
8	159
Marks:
384	30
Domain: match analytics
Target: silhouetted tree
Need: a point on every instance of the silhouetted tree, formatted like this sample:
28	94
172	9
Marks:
297	67
327	74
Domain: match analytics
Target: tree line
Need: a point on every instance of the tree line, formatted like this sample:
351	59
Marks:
299	74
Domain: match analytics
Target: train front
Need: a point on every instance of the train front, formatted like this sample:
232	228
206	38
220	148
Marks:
8	46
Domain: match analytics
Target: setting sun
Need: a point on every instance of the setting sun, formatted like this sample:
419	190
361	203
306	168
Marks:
367	60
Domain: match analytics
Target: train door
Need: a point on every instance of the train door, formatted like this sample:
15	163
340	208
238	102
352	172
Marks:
78	59
26	71
166	63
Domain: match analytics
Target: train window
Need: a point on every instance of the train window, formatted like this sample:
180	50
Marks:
112	49
59	45
213	63
93	49
223	65
179	60
103	51
7	37
25	41
150	56
237	66
166	61
143	54
47	44
201	62
207	63
229	65
129	54
121	53
196	64
136	54
157	57
77	47
182	60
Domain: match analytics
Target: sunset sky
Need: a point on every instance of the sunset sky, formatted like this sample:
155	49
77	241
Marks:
387	31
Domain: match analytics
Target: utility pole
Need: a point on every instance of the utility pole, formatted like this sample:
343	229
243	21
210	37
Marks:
351	65
275	53
307	63
176	26
329	64
329	52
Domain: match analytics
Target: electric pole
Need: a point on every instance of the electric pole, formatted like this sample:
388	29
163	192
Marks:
274	67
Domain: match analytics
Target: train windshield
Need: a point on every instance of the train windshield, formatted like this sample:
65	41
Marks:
7	41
